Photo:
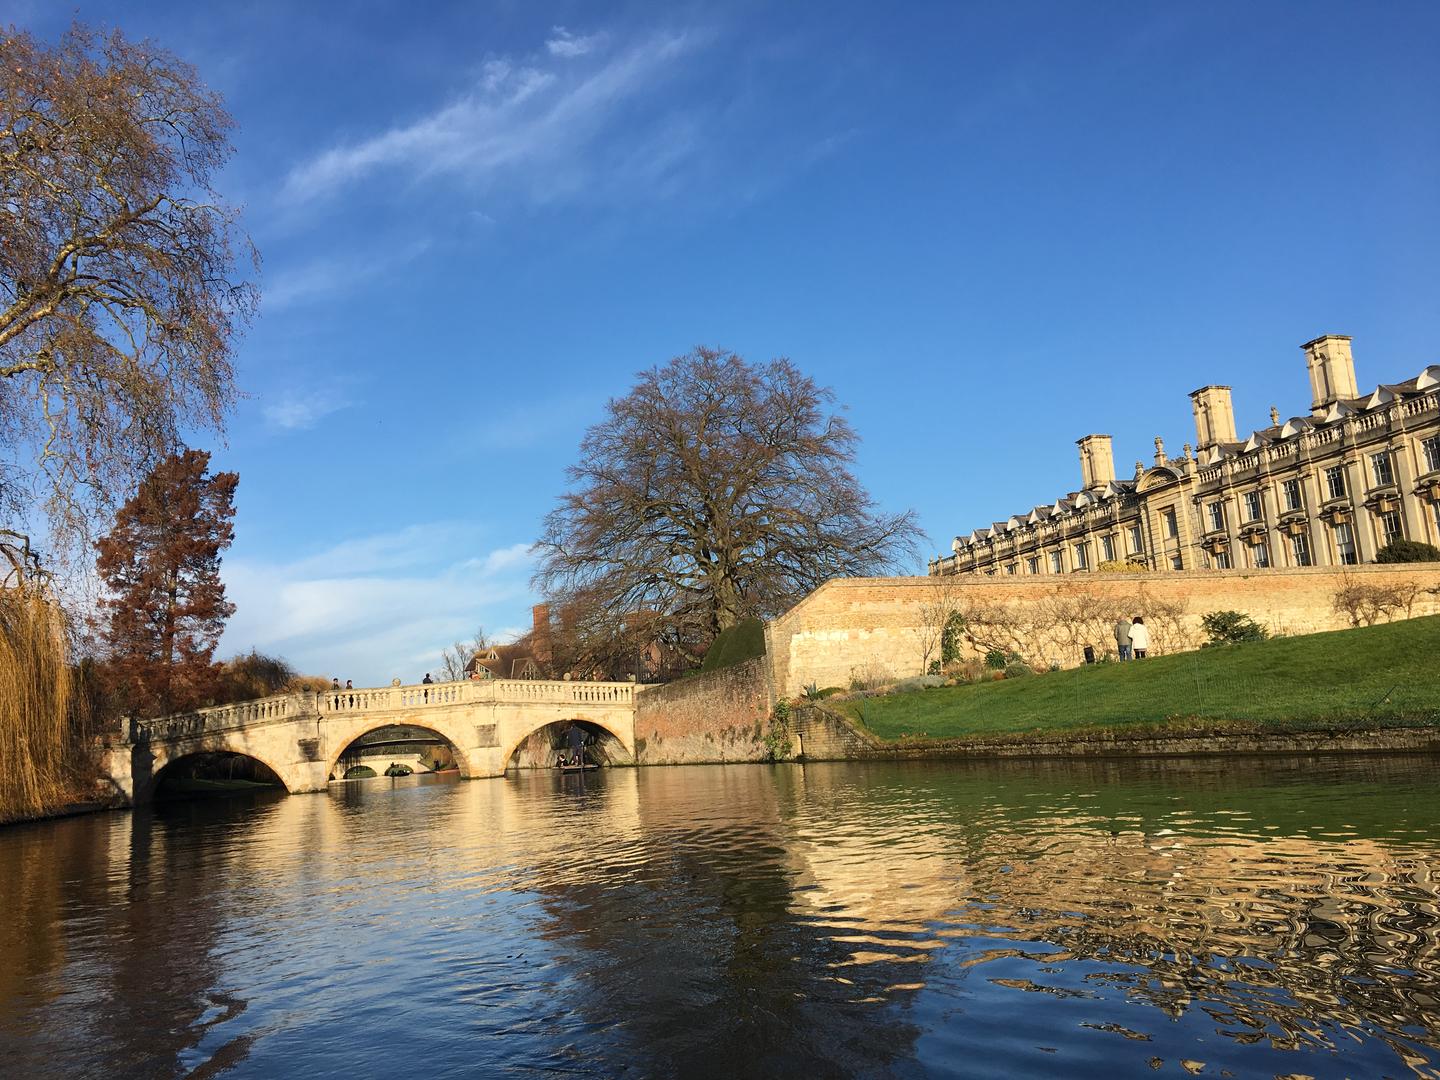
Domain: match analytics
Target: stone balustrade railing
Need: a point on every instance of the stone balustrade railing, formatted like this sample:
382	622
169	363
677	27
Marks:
223	717
384	699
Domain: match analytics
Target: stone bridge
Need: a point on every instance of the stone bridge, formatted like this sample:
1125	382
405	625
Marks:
301	736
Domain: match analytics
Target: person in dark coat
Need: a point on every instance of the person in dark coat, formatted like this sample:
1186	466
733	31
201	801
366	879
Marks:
576	742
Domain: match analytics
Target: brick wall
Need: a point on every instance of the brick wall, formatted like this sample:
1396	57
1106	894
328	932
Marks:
850	625
718	716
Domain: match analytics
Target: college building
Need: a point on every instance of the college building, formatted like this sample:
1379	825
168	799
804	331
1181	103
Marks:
1327	489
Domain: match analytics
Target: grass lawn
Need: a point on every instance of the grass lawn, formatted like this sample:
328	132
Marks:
1368	677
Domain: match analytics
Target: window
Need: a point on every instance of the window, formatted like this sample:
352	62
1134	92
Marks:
1431	448
1217	516
1390	526
1252	506
1300	549
1335	481
1172	526
1107	548
1082	556
1034	564
1136	547
1222	560
1260	555
1345	544
1380	466
1010	569
1177	563
1291	489
1055	567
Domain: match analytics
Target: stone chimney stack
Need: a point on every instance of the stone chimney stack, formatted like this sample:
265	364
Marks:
540	644
1214	416
1097	462
1332	371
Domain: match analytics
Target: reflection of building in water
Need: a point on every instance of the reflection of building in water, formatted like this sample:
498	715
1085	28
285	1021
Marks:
1346	930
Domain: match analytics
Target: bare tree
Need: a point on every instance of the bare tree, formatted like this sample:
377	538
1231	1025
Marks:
713	492
939	612
119	296
455	661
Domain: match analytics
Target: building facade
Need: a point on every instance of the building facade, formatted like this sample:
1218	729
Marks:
1327	489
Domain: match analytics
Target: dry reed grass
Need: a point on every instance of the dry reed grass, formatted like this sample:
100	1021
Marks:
43	714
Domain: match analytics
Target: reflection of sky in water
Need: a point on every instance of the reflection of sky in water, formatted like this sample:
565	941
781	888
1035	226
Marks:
1008	919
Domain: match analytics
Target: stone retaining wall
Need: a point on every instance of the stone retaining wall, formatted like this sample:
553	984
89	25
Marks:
714	717
824	736
851	627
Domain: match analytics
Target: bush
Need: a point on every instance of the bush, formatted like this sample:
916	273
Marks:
996	659
1122	566
1231	627
743	641
918	682
869	676
1398	551
1017	670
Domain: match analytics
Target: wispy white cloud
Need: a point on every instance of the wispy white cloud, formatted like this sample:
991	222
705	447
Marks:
376	607
568	45
293	411
333	274
528	119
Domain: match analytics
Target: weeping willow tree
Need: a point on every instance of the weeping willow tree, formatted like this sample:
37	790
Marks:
43	710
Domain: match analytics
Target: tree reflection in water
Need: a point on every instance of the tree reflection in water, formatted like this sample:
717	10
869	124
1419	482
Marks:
1266	917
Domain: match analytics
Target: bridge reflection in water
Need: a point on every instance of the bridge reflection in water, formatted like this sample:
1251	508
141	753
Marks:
1261	918
300	737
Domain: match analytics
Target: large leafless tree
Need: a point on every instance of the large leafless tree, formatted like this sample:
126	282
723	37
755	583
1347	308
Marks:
120	286
714	491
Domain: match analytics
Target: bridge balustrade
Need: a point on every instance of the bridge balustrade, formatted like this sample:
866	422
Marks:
384	699
219	717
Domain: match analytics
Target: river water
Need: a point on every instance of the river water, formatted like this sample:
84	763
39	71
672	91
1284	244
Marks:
1218	918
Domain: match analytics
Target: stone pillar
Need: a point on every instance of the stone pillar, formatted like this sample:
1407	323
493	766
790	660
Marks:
1412	510
1362	523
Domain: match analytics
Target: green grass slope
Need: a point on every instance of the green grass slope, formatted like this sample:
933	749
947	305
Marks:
1368	677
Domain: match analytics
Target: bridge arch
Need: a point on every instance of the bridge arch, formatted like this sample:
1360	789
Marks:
616	741
168	755
444	728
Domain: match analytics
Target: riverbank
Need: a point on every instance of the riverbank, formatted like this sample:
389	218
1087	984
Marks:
1343	682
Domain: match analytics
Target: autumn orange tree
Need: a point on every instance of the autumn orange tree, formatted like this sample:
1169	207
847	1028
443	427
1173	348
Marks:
715	491
120	270
166	606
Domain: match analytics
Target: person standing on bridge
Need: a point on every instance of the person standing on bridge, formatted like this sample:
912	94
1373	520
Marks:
427	680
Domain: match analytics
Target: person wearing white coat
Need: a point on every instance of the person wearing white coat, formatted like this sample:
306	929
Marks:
1139	638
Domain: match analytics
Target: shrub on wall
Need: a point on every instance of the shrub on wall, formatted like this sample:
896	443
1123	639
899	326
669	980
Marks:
743	641
1401	551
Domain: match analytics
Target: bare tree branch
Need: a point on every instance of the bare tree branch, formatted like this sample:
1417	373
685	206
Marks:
713	492
119	291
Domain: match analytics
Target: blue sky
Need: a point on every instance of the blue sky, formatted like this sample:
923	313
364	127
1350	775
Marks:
990	228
